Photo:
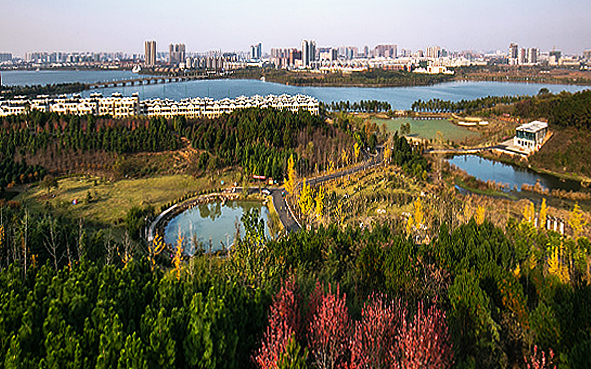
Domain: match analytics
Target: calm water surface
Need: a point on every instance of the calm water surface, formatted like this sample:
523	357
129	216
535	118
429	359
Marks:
212	222
515	177
398	97
45	77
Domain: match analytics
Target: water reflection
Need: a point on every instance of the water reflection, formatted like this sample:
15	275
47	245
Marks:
211	226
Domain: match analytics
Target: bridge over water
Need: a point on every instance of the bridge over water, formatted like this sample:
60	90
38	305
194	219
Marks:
148	80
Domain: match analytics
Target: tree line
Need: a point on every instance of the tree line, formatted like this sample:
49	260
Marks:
364	106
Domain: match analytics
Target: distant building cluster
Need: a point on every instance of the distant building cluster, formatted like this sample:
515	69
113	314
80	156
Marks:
119	106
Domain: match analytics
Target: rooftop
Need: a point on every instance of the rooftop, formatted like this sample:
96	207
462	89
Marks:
534	126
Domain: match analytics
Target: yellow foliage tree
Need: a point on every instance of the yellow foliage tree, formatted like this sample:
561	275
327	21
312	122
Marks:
576	221
543	214
409	225
306	200
290	181
556	266
529	212
419	216
480	215
345	157
319	199
177	258
154	249
357	151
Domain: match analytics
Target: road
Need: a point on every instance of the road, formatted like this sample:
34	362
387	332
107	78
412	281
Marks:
286	216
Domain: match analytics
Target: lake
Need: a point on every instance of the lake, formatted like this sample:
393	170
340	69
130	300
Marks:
515	177
213	223
400	98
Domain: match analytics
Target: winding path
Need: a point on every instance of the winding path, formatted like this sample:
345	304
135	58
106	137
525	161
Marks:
285	213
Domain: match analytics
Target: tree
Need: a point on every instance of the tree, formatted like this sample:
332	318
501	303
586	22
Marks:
425	342
576	221
357	151
178	256
290	182
283	326
538	360
319	200
480	215
374	342
329	331
154	249
543	214
48	182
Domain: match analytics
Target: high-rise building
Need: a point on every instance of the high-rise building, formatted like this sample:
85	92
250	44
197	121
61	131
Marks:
433	52
5	57
256	51
176	54
385	51
522	57
150	53
513	51
587	54
308	53
532	55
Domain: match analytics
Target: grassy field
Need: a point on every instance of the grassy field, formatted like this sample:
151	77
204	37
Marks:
427	129
106	202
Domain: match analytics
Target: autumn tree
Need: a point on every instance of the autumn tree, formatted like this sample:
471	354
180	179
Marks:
283	326
425	341
319	201
290	181
543	214
154	249
178	256
576	221
357	151
328	333
480	215
374	342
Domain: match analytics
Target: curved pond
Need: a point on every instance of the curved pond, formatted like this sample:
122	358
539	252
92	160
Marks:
212	225
515	177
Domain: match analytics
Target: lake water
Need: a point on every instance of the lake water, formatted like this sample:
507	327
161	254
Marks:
398	97
515	177
212	222
45	77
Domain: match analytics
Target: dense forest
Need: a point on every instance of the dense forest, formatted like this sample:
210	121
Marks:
372	77
475	297
363	106
9	92
258	140
562	110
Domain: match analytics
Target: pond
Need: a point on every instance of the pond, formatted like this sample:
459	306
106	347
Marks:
213	224
515	177
427	128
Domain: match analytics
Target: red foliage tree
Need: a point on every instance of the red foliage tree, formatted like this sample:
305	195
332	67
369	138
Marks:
425	342
284	323
328	333
374	343
538	360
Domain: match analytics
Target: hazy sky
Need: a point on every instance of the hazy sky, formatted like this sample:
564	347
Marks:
233	25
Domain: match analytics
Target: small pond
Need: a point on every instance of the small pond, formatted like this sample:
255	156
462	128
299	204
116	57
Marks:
515	177
212	224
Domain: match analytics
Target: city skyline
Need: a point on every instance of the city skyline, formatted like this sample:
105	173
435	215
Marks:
33	25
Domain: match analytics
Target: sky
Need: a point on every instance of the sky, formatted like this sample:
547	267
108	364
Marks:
234	25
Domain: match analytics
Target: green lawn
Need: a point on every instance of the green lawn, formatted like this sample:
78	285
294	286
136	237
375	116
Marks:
427	129
110	201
